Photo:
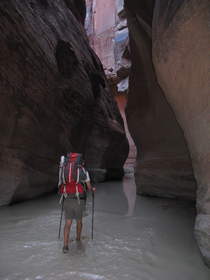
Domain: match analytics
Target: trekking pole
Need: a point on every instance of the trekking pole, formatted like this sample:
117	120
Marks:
92	214
59	233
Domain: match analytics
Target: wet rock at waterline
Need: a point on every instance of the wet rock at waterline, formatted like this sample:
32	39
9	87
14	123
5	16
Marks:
168	107
54	99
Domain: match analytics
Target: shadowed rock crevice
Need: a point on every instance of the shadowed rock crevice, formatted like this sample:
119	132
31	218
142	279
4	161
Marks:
66	59
43	3
78	7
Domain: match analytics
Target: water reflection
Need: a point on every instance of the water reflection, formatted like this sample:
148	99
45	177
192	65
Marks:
129	189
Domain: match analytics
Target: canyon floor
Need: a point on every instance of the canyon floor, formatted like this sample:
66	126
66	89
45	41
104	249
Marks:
135	238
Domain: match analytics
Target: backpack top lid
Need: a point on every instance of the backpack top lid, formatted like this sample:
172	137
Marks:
75	157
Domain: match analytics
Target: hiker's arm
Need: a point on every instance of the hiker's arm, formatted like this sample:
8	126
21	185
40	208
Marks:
90	187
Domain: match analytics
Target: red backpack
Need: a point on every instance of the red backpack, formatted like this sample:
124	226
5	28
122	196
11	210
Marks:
72	174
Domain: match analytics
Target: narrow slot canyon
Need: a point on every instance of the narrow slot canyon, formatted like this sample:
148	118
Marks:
126	84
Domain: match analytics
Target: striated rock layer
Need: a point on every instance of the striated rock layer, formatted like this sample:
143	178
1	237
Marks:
54	99
169	104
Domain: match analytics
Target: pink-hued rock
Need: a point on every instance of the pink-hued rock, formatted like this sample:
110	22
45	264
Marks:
100	24
107	30
54	99
131	159
169	103
104	10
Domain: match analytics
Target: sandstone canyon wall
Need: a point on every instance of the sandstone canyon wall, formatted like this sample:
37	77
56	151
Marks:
106	26
163	165
181	44
169	103
54	99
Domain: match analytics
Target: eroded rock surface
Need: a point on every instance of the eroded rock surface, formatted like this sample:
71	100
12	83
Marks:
54	99
169	104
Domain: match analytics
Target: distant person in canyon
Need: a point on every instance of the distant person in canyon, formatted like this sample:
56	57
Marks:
74	182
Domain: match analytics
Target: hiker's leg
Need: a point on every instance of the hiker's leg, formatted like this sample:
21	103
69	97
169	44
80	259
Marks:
79	229
67	229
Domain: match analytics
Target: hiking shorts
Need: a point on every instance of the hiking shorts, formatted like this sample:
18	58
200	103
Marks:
73	209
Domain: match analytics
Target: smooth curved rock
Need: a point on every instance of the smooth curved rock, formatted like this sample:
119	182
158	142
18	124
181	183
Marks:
163	166
181	57
54	99
202	234
170	42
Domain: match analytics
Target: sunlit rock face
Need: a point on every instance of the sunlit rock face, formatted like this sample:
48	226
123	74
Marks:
169	102
107	30
54	99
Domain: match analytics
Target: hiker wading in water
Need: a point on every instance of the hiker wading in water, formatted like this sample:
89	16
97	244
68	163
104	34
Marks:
77	183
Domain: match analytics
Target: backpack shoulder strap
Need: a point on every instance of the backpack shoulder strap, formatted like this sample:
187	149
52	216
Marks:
70	173
61	167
